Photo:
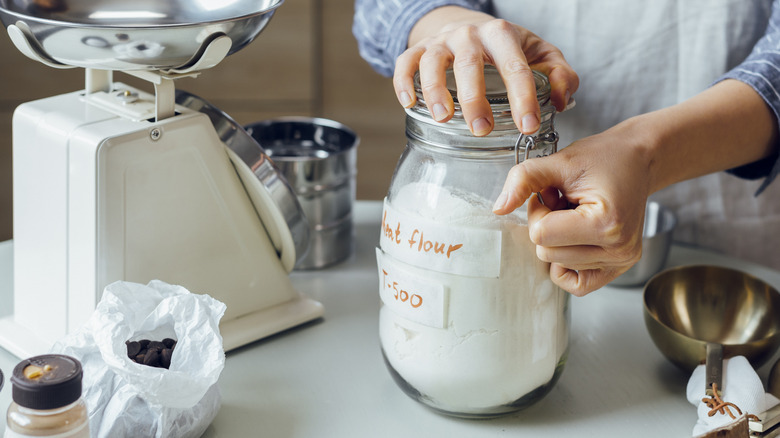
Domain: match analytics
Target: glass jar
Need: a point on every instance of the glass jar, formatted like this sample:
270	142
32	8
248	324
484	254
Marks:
471	324
47	399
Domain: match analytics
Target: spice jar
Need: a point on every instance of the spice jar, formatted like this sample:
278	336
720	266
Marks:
471	324
46	392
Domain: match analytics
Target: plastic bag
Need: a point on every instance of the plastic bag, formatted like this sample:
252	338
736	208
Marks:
126	399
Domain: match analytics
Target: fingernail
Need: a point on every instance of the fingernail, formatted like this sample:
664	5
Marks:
501	201
530	124
480	126
439	112
566	98
405	99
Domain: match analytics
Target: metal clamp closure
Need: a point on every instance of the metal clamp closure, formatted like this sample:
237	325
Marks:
531	141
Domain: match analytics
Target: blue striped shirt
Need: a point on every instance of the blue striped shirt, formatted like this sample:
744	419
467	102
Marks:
382	28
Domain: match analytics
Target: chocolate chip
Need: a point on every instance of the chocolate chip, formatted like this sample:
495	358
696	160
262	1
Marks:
133	348
152	358
151	353
165	358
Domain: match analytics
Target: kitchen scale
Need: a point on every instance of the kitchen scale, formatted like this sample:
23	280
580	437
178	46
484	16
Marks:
114	183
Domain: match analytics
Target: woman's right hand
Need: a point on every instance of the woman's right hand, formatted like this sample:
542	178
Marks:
466	40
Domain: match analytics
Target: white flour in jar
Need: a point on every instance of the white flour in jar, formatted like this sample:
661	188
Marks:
504	337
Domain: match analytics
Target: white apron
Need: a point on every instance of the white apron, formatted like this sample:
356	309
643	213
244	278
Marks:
637	56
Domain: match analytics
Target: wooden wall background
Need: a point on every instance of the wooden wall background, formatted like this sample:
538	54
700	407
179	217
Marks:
305	63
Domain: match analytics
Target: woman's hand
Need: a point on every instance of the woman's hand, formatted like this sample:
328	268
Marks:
466	40
605	178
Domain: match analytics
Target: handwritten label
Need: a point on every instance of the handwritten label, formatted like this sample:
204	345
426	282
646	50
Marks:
410	296
472	252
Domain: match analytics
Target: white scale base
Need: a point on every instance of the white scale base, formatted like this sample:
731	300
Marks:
101	197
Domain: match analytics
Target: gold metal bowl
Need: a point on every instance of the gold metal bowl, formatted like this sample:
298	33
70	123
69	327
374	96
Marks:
773	386
688	307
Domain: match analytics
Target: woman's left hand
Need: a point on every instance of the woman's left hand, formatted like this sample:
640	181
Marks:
592	231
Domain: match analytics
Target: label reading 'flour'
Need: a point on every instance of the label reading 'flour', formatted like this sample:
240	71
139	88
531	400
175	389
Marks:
410	296
473	252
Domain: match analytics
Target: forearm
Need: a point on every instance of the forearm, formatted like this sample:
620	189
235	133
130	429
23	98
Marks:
726	126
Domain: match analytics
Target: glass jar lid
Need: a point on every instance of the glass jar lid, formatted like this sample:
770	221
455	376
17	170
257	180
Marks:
495	92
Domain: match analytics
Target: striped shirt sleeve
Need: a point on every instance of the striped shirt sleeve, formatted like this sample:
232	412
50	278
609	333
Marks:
761	70
382	27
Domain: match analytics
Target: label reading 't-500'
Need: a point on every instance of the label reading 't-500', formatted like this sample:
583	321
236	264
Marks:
410	296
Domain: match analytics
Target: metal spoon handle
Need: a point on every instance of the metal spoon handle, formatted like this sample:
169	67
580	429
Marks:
714	368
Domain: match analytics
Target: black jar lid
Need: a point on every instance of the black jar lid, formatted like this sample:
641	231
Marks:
56	384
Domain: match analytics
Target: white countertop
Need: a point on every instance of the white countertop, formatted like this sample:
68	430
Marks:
327	378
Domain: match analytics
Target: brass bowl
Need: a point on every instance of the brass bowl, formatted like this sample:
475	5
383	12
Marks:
773	386
687	307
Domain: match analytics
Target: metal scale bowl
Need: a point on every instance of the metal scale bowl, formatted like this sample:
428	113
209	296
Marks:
132	34
112	183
